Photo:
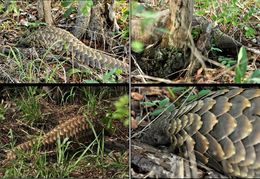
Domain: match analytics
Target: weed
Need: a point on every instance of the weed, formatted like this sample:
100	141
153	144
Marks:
255	77
234	13
122	110
228	62
69	96
241	67
29	105
137	46
160	105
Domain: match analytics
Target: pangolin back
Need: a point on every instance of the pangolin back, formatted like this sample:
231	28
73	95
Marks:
60	40
224	129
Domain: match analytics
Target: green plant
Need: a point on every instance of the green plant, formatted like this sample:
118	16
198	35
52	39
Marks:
241	67
90	100
255	77
108	77
196	31
29	105
72	9
68	96
228	62
195	97
121	113
249	32
234	13
1	7
160	106
137	46
12	7
122	110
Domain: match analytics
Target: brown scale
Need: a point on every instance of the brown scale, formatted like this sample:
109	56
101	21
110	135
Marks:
63	41
224	127
68	128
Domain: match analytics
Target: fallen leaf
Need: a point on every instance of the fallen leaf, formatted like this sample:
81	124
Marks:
134	123
137	96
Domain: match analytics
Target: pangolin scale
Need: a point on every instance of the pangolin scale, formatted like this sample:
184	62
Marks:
223	127
68	128
62	41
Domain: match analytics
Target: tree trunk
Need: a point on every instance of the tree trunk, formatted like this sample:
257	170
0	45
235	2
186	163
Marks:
169	52
179	23
82	21
44	11
100	24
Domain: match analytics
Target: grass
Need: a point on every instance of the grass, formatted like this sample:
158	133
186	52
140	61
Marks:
70	158
230	14
47	67
42	69
51	70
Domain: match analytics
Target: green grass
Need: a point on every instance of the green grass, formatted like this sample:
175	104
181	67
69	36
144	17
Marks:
65	159
230	13
29	105
38	70
36	165
50	68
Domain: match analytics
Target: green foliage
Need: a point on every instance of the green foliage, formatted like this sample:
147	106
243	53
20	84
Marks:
241	67
137	46
1	7
228	62
86	7
196	32
255	77
12	7
122	110
108	77
200	94
229	14
29	105
121	113
188	97
72	9
249	32
36	24
39	167
69	96
123	20
160	106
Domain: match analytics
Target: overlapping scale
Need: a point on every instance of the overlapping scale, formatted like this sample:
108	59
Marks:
225	127
49	35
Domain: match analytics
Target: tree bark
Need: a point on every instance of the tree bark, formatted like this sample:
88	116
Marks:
179	23
44	9
100	23
82	21
47	11
169	51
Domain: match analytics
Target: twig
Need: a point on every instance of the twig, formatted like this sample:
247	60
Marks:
160	80
139	69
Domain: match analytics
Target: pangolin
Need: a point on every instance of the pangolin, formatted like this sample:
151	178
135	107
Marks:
223	128
62	41
69	128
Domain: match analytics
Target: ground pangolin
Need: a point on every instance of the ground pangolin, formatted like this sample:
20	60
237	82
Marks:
224	129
